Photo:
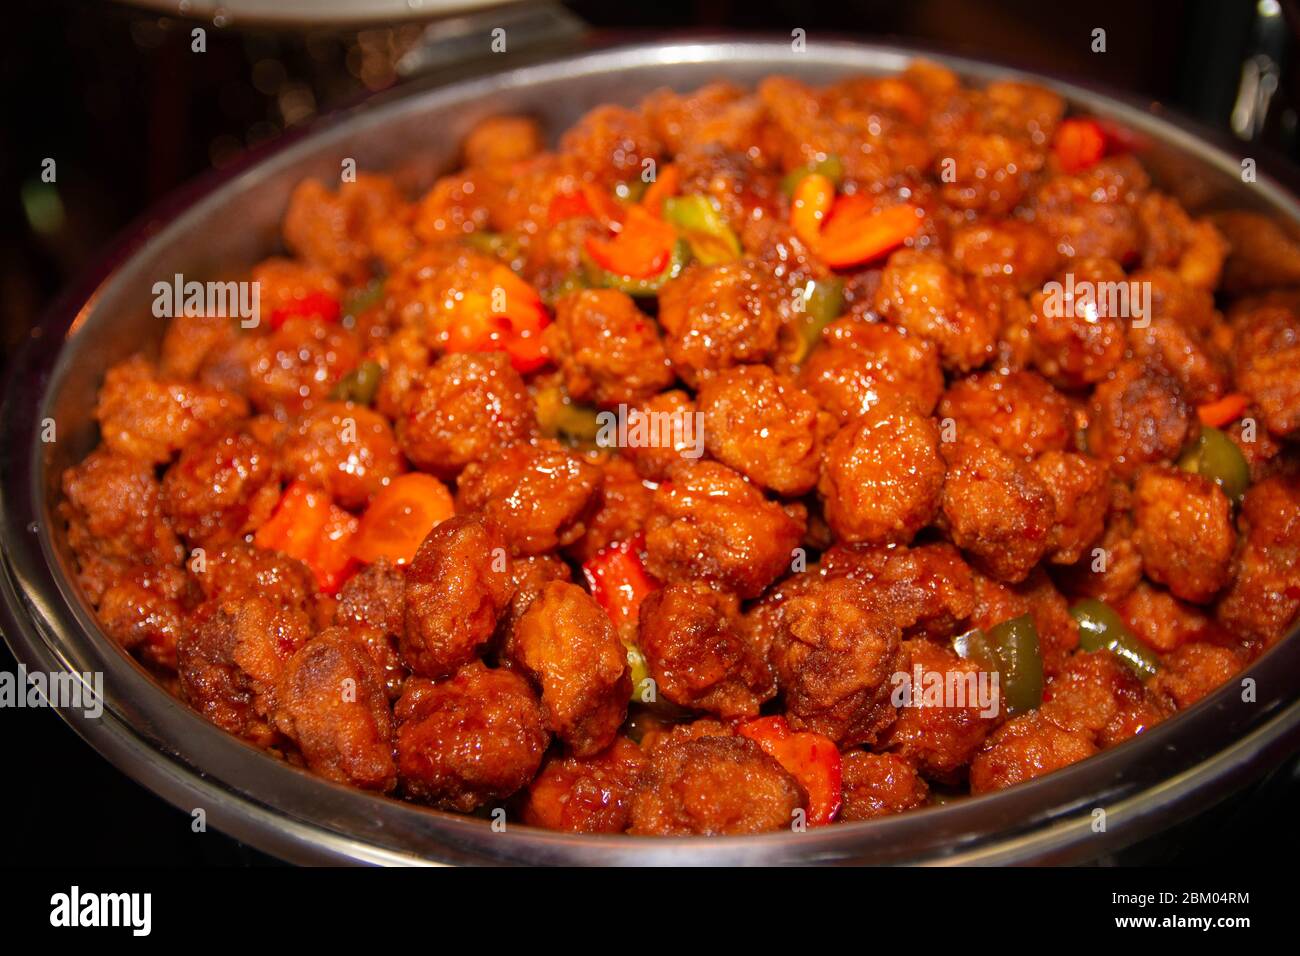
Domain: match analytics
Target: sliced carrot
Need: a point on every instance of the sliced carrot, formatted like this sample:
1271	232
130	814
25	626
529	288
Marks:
1222	411
856	231
400	517
307	525
643	249
665	185
813	198
331	560
1079	143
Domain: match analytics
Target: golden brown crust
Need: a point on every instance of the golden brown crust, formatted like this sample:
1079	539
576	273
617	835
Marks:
463	742
566	643
711	786
456	589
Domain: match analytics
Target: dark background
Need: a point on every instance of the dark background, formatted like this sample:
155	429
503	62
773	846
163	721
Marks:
114	94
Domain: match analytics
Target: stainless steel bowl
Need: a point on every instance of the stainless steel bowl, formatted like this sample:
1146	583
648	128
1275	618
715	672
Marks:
231	220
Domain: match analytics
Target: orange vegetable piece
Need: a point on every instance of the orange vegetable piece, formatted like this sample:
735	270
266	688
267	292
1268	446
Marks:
1079	143
332	560
510	320
810	758
400	517
813	198
856	232
642	250
307	525
665	185
1222	411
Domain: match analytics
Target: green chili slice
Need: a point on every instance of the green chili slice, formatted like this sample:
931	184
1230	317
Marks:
1015	642
974	646
1217	457
1100	627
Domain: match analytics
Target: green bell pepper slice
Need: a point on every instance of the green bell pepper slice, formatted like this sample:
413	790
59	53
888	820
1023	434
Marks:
1012	649
823	301
1100	627
360	299
832	167
360	384
558	416
634	286
701	224
1217	457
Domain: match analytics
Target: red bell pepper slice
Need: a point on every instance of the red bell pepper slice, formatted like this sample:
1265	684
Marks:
476	325
641	250
810	758
812	200
855	231
313	304
585	200
664	186
567	206
847	231
618	580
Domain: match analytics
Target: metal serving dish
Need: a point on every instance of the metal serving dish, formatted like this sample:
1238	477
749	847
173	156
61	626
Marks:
230	221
